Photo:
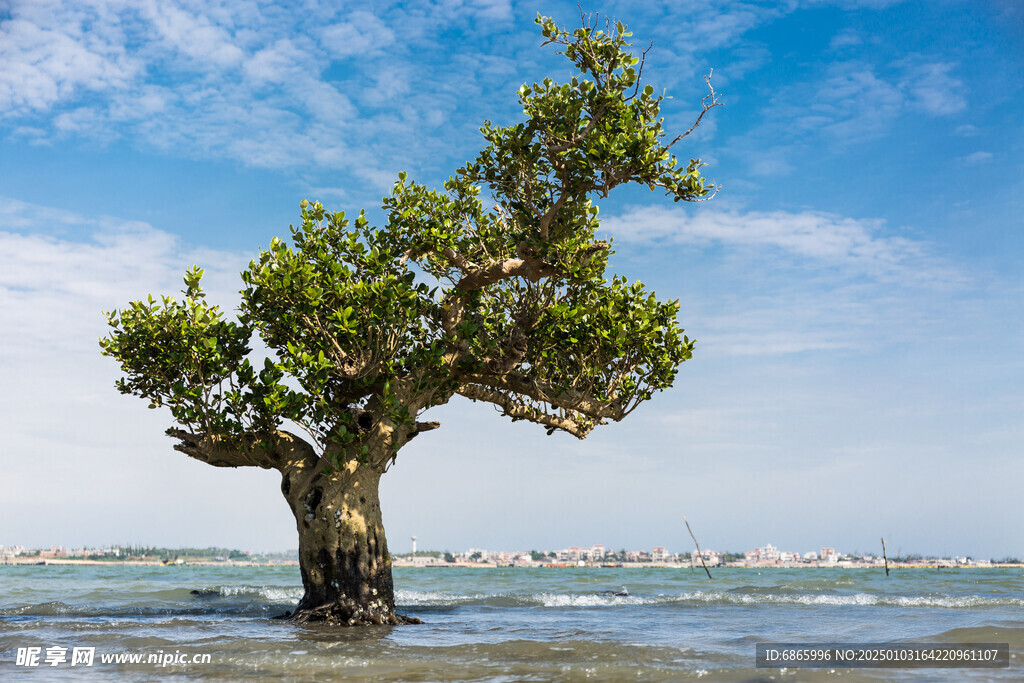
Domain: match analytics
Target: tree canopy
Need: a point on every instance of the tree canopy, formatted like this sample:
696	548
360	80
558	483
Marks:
493	287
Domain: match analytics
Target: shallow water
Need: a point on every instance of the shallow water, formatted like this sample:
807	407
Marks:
503	624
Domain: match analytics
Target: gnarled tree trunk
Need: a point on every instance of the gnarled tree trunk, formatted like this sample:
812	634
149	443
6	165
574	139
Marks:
343	553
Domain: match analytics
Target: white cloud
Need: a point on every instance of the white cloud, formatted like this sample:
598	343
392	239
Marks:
717	27
19	215
975	158
248	81
843	39
770	162
192	34
931	87
855	102
856	245
277	63
360	92
846	105
47	64
492	10
361	35
852	104
62	266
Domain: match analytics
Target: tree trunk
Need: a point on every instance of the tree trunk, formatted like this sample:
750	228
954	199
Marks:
343	554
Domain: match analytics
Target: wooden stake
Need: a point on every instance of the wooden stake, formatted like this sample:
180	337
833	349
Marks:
885	558
699	553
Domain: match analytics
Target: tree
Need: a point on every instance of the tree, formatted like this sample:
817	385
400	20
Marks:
372	327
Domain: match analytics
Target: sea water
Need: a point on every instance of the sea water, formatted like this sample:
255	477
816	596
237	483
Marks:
511	624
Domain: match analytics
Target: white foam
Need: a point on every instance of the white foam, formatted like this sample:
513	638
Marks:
436	598
269	593
558	600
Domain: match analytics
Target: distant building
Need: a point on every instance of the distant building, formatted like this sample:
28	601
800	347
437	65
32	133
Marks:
711	557
658	554
769	553
596	553
828	554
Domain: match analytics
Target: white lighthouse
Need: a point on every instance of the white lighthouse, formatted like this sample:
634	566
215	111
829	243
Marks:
414	546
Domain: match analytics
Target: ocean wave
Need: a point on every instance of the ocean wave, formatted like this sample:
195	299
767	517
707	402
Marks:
254	600
274	594
442	599
45	609
270	600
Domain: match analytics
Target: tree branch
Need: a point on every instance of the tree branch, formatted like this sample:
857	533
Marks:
548	393
709	102
420	427
286	451
519	411
530	269
546	219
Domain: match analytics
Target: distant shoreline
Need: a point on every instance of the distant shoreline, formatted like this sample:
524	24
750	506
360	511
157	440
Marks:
398	562
49	561
680	566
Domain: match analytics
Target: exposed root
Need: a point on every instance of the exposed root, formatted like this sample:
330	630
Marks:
344	613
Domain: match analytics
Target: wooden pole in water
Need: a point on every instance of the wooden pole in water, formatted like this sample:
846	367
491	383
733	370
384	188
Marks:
885	558
699	553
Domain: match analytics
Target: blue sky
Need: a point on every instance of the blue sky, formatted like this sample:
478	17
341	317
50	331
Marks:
855	288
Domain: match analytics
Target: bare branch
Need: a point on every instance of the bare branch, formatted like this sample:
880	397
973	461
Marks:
709	102
640	70
710	196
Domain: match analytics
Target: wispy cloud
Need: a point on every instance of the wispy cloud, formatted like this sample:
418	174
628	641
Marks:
46	63
245	81
66	267
931	86
860	246
195	35
849	103
294	85
976	158
844	39
362	34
